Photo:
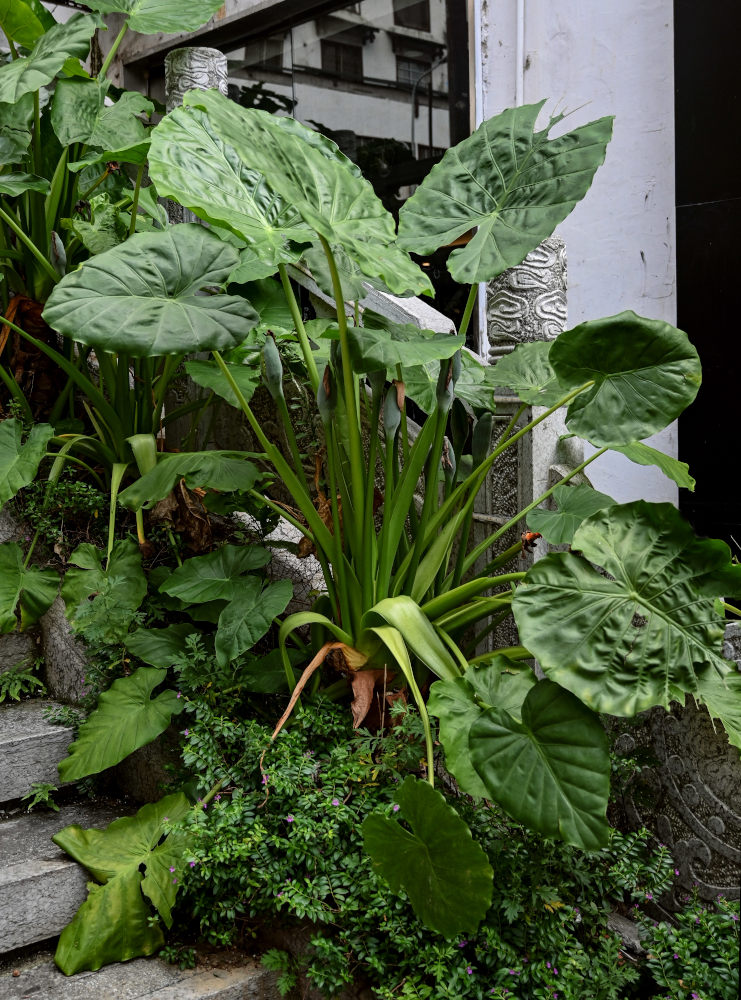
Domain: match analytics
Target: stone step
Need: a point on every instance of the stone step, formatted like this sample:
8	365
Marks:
30	748
41	887
37	978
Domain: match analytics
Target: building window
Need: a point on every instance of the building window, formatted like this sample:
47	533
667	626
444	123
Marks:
265	53
342	60
408	71
412	14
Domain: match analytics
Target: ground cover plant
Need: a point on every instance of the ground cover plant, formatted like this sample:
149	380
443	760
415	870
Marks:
630	618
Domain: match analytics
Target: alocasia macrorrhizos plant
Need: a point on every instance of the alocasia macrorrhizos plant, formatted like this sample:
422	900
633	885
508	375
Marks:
403	597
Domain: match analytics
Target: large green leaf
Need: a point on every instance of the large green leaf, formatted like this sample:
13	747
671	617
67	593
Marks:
127	717
419	634
19	461
475	384
34	588
219	576
511	184
79	114
150	17
24	21
209	376
643	634
14	184
645	372
115	923
219	470
15	129
106	229
643	454
398	344
551	771
146	298
437	862
722	696
575	504
528	372
117	589
308	172
160	647
191	162
248	616
48	56
458	704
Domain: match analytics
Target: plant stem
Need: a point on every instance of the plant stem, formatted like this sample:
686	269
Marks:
30	245
114	48
488	542
468	311
135	200
730	607
86	194
300	328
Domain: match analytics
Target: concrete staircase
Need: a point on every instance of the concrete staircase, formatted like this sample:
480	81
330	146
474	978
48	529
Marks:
41	888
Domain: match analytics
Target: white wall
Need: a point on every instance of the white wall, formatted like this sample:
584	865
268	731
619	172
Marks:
613	58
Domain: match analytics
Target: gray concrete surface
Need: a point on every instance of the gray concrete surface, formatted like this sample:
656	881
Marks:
30	748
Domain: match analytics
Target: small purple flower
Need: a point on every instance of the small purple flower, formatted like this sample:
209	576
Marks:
547	965
179	694
289	818
462	944
676	871
395	808
264	779
675	956
469	970
555	971
174	881
172	869
649	895
280	894
186	732
166	819
192	864
335	802
734	916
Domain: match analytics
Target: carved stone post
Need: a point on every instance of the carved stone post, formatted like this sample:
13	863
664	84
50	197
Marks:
191	68
526	303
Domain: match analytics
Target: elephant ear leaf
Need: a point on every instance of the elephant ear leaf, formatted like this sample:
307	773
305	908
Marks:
645	631
150	17
34	588
132	862
510	184
436	861
146	298
528	372
127	717
644	373
227	471
551	771
47	57
116	590
19	460
575	504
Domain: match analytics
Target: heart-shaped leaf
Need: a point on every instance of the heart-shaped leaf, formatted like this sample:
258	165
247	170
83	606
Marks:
398	344
127	717
114	924
150	17
528	372
644	454
575	504
459	703
160	647
145	298
248	616
117	589
510	184
191	162
79	114
218	576
642	635
219	470
209	376
309	172
645	372
24	21
14	184
552	770
34	588
437	862
19	461
49	54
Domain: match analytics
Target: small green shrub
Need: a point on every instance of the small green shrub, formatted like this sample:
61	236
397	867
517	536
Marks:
17	684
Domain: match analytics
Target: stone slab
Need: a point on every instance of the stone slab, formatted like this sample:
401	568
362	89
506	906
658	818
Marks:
141	979
30	747
41	887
